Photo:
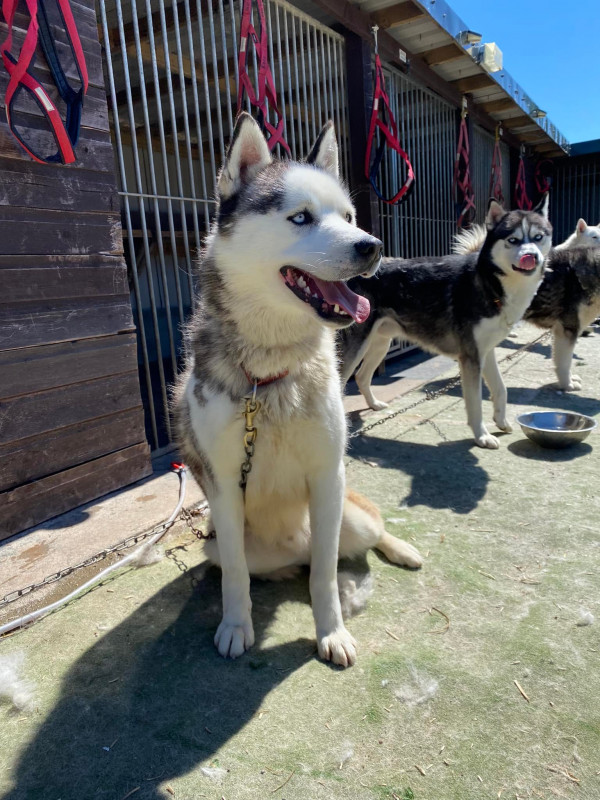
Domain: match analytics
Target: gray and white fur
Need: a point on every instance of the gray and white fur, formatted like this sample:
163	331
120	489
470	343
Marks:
272	296
568	299
459	305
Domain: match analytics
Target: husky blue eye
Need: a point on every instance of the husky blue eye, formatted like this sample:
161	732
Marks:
538	237
513	240
301	218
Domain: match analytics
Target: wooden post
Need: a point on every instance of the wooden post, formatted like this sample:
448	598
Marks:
359	74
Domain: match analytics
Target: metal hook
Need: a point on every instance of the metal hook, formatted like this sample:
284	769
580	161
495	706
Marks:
374	29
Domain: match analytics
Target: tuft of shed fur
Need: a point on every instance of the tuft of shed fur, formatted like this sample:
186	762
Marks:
13	687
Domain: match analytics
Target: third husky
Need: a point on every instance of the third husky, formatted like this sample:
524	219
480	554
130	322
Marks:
459	305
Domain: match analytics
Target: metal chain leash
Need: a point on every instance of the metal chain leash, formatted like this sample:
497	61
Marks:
172	553
251	409
100	556
448	386
63	573
429	395
188	516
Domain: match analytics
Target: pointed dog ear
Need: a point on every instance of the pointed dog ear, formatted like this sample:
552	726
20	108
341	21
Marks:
494	214
543	206
248	153
325	151
581	226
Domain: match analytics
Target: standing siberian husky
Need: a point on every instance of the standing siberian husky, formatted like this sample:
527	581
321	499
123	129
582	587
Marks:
460	306
568	299
273	293
567	302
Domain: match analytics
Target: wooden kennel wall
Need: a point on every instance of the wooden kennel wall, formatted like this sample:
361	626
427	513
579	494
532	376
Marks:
71	420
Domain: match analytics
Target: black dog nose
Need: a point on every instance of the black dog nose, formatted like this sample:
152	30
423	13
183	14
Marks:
369	248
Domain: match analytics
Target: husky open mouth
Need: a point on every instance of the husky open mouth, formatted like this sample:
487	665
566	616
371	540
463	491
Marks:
527	263
332	300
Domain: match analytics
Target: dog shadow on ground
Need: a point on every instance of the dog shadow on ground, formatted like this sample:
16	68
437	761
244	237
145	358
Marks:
546	396
550	398
444	475
152	699
540	348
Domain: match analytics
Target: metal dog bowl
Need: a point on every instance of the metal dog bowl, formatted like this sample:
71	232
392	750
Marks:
556	428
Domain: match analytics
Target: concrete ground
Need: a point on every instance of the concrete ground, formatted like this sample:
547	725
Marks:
477	676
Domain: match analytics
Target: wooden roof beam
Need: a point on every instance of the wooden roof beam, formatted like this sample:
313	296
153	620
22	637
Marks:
521	121
473	83
550	149
498	106
444	54
400	14
532	137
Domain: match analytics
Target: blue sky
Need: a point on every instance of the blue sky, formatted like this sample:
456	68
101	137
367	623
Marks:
552	50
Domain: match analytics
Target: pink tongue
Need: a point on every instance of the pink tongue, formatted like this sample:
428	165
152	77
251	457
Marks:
528	262
337	292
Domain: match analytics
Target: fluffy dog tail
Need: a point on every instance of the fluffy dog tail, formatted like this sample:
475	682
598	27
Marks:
470	240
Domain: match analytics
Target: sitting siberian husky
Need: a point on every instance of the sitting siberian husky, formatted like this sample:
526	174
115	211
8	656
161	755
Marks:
273	293
568	299
460	306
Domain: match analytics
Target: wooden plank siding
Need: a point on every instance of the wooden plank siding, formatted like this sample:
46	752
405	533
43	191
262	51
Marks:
71	417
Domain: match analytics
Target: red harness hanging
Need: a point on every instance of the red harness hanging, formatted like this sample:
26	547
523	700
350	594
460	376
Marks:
383	119
462	188
522	201
65	135
265	83
495	190
543	177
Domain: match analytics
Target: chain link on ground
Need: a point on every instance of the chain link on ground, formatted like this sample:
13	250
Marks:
173	553
17	594
202	510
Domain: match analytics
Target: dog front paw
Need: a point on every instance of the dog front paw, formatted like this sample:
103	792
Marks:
231	640
488	441
338	647
570	384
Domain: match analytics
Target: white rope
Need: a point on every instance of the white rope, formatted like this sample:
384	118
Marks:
31	617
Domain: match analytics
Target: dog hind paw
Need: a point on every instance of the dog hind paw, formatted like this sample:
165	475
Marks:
378	405
233	640
399	552
572	384
503	424
339	648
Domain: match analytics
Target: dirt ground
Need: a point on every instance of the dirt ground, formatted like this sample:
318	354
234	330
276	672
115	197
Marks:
476	678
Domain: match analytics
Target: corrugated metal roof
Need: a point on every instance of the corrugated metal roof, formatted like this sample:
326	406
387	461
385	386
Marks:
429	31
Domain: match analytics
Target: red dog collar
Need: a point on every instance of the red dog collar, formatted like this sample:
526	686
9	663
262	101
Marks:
264	381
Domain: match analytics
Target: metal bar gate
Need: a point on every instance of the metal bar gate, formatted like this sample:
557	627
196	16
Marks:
171	75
